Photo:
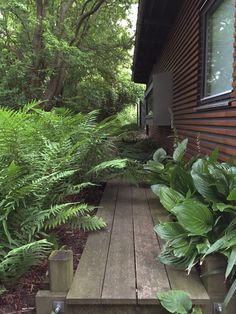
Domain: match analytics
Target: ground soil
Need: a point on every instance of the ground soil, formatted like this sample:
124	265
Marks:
20	298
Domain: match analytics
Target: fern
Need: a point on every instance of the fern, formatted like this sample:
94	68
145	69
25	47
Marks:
128	169
88	222
19	260
44	157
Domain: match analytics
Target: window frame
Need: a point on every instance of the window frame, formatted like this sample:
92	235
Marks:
148	93
221	99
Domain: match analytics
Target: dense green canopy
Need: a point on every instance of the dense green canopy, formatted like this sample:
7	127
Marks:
66	52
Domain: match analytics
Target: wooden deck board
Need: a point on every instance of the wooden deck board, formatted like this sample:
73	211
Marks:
118	266
119	284
88	280
151	275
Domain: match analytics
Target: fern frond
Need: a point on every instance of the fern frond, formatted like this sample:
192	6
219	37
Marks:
19	260
58	217
110	164
87	222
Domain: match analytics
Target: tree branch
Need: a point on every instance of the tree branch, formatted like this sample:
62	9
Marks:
85	16
65	7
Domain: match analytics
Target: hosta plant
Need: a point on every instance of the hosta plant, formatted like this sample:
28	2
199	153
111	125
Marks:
200	197
177	302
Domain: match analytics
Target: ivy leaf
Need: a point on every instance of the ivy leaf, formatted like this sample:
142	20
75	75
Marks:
175	301
194	217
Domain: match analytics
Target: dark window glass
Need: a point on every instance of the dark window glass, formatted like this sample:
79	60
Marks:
219	48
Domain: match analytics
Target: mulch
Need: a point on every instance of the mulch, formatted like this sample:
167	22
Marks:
20	298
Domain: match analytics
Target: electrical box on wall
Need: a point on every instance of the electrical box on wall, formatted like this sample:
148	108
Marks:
162	98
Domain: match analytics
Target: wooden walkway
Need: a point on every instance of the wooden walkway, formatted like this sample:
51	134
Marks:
118	271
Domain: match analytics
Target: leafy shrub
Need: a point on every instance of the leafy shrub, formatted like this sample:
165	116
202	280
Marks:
200	196
128	116
44	158
141	149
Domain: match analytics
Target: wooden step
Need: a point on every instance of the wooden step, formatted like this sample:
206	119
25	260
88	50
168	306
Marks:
118	267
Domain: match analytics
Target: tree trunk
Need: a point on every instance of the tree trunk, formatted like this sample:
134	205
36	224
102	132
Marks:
37	45
56	82
55	85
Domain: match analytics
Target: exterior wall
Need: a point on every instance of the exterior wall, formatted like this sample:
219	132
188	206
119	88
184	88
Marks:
163	136
182	56
159	125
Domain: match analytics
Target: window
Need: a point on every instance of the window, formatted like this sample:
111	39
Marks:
149	104
218	53
149	100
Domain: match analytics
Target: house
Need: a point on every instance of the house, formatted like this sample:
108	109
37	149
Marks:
185	54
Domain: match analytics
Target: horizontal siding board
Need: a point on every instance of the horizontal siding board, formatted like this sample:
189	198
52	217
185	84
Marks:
182	56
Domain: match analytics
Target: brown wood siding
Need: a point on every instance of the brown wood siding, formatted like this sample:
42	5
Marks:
182	56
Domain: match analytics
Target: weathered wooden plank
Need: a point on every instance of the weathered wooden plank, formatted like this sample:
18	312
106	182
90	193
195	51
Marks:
158	213
115	309
88	280
150	274
179	280
191	284
102	309
119	284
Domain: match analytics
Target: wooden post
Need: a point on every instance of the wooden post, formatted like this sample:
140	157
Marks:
61	270
215	283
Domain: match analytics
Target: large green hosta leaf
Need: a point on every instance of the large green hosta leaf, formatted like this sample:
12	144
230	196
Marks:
154	166
169	198
168	257
169	230
220	179
203	181
232	195
181	180
180	150
231	262
175	301
225	242
224	207
160	155
156	189
194	217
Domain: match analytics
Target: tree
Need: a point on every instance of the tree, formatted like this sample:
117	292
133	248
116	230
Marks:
52	49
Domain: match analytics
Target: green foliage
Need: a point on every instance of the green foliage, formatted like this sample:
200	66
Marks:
128	169
140	149
128	115
178	302
67	53
200	198
44	158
